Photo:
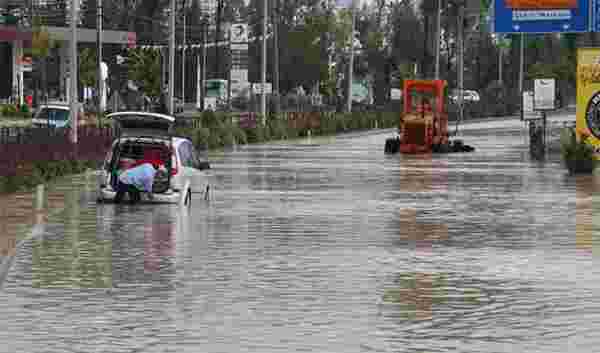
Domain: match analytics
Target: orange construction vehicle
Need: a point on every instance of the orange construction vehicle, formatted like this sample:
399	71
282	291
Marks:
423	125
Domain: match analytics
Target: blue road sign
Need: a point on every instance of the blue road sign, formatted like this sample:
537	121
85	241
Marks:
595	21
512	17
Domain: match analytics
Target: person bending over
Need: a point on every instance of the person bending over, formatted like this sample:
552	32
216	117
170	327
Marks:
136	180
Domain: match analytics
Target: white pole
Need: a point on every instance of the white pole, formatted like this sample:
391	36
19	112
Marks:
171	59
351	63
460	68
500	64
183	60
198	78
437	40
73	72
521	63
100	82
263	97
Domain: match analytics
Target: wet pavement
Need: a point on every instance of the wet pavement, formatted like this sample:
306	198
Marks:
323	245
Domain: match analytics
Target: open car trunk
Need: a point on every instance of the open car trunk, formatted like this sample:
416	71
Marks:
133	152
143	137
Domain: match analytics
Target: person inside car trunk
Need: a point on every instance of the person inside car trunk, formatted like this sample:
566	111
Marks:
136	180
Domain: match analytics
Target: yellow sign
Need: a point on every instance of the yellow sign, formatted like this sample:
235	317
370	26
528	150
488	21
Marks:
588	95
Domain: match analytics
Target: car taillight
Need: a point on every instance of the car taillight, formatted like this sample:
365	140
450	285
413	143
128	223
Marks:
174	169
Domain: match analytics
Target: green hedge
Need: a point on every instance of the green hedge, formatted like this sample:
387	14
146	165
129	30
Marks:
12	111
42	172
219	130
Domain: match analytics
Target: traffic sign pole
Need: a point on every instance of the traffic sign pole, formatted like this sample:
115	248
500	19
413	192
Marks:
74	112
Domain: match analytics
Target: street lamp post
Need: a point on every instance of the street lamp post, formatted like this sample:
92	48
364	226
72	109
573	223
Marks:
263	97
437	39
203	76
183	54
351	61
171	88
73	101
99	83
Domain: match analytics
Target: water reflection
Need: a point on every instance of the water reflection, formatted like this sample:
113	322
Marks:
424	183
334	248
142	242
587	226
158	240
76	258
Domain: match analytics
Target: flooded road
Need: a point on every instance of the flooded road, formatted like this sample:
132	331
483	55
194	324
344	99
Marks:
323	245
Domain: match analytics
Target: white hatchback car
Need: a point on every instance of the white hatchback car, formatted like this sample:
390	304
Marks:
147	136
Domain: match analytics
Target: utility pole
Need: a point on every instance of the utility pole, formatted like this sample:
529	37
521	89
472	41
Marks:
437	39
171	88
275	22
263	97
500	54
100	81
229	66
521	63
351	63
460	69
74	99
183	57
204	40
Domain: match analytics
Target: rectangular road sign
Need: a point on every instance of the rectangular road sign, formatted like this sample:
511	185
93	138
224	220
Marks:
544	94
542	16
256	88
528	112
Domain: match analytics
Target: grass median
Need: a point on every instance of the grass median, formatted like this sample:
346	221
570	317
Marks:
219	130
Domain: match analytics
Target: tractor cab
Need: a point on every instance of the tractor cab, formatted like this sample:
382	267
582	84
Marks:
423	124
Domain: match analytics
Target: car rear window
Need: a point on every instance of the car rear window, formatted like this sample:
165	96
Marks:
141	150
53	114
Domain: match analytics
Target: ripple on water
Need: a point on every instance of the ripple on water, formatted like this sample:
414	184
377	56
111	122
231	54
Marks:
329	246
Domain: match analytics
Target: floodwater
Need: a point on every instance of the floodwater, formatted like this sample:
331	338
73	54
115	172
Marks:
323	245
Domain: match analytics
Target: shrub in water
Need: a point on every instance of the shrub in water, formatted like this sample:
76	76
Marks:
239	135
278	130
227	137
214	139
201	137
578	155
256	134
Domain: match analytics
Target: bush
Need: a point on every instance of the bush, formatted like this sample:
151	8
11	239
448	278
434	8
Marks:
254	135
496	99
214	139
185	132
211	120
201	137
577	154
278	129
239	135
8	110
226	135
41	172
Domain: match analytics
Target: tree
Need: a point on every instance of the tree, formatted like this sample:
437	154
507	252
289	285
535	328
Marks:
41	46
88	67
145	71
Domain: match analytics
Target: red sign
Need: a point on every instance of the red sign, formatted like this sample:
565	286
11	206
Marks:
247	120
24	60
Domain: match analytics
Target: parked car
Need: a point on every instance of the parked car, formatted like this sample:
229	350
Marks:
469	96
55	116
141	134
